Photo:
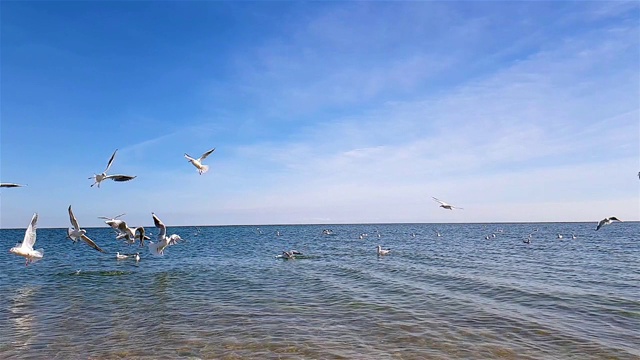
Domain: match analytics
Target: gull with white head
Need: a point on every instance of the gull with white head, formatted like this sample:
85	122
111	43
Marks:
157	249
75	232
26	248
445	205
198	162
607	221
131	234
103	176
382	252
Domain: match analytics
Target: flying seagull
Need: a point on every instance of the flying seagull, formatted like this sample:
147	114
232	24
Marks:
75	232
198	162
607	221
445	205
103	176
112	222
10	185
26	248
382	252
163	240
130	233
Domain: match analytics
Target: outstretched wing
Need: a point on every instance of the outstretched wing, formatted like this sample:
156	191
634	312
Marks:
160	225
204	156
120	178
10	185
189	157
91	243
440	201
30	233
111	161
72	217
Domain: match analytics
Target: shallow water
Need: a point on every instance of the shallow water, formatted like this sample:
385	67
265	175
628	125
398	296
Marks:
223	295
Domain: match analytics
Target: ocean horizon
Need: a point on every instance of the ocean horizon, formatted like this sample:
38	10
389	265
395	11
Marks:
445	291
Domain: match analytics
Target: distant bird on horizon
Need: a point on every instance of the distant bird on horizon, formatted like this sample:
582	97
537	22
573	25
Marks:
11	185
103	176
75	232
607	221
25	249
445	205
157	249
198	162
382	252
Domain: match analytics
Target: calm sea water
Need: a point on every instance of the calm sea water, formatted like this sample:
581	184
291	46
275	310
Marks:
223	295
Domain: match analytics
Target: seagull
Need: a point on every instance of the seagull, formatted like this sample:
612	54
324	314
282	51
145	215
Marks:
573	236
76	232
198	162
445	205
101	177
112	222
559	236
163	240
291	254
438	233
527	241
129	234
137	257
121	256
382	251
607	221
26	248
10	185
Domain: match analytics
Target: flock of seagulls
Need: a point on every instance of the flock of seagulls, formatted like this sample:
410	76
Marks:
123	231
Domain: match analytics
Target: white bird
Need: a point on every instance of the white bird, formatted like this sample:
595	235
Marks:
559	236
573	236
103	176
76	232
10	185
129	234
121	256
445	205
382	252
112	222
26	248
607	221
198	162
137	257
291	254
438	233
157	249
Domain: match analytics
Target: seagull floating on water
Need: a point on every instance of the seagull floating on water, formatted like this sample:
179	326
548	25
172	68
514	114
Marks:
76	232
157	249
103	176
382	252
291	254
26	248
198	162
445	205
121	256
11	185
607	221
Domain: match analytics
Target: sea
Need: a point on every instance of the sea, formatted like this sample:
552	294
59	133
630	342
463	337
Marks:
477	291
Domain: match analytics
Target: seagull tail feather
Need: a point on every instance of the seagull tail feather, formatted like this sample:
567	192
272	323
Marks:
204	169
39	255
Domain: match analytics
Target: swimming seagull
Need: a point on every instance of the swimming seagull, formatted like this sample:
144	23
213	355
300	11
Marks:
103	176
445	205
607	221
198	162
76	232
10	185
291	254
121	256
26	248
163	240
382	251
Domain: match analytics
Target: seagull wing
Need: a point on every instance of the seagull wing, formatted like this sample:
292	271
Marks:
613	218
440	201
204	156
111	161
160	225
602	222
30	233
10	185
72	217
91	243
120	178
189	157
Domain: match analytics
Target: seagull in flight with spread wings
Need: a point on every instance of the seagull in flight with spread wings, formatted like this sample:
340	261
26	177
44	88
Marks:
26	248
163	240
103	176
445	205
607	221
112	222
75	232
198	162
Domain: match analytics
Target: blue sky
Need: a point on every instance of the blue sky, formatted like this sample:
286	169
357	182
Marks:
321	112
